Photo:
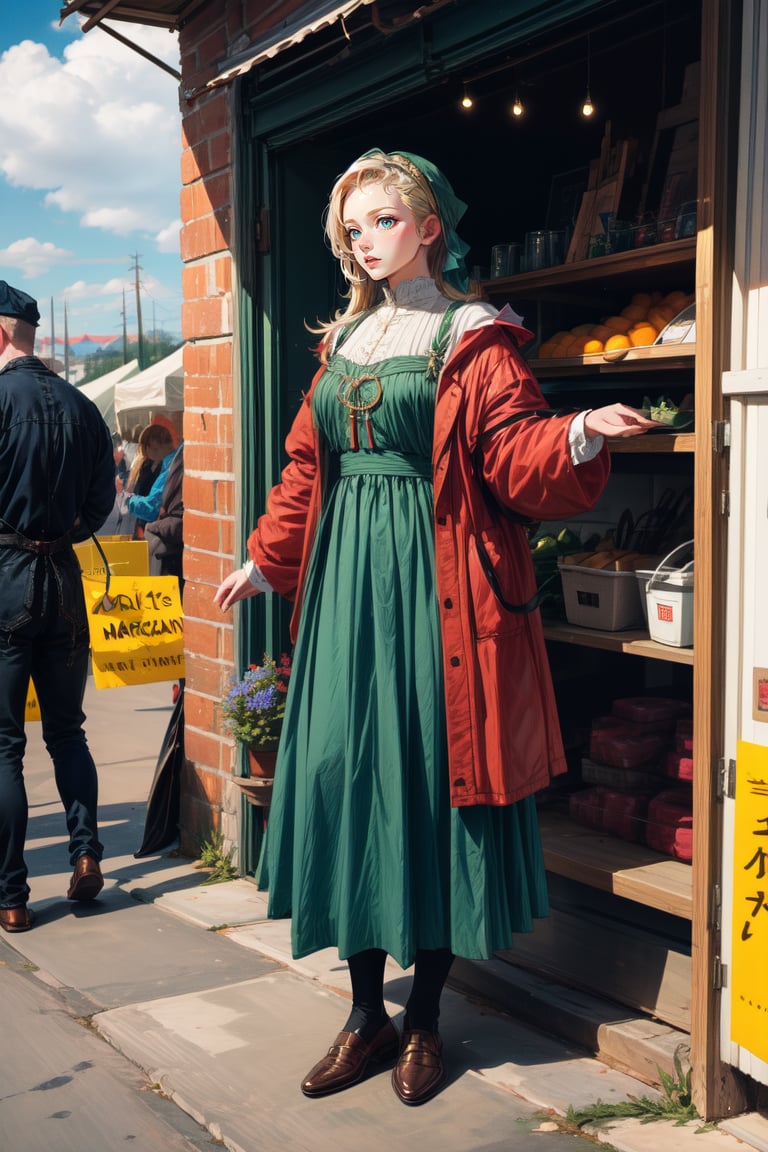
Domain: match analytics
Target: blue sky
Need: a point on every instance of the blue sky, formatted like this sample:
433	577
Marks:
90	139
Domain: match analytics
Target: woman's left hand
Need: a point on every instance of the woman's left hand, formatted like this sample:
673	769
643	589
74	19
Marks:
617	420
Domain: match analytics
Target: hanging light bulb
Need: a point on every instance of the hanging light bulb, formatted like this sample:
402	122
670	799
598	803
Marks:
466	101
516	108
588	108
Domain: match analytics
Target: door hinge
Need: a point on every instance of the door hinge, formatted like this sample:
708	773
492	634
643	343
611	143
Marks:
726	779
719	974
716	907
725	502
721	435
261	229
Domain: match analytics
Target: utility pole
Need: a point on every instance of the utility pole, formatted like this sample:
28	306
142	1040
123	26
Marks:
139	332
53	339
66	344
125	332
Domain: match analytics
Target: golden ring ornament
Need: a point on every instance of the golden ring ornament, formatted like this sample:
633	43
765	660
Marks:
359	395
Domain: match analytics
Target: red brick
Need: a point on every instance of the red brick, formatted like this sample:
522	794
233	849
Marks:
205	783
225	497
207	676
190	169
210	317
214	112
219	152
218	190
202	639
223	274
201	712
221	354
202	393
201	531
200	494
211	458
206	568
194	281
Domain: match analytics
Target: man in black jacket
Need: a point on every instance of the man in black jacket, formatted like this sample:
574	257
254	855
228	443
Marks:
57	486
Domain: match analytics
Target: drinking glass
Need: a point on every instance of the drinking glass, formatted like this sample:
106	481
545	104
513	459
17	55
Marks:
537	250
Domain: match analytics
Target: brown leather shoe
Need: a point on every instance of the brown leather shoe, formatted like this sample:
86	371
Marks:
17	919
87	880
347	1059
419	1072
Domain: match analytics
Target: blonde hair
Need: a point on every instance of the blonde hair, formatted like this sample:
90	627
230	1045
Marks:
397	173
152	434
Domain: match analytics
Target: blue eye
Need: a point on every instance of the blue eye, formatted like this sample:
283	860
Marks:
386	222
354	234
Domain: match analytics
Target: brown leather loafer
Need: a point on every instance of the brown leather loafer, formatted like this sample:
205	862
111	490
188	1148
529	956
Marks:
17	919
87	880
347	1060
419	1072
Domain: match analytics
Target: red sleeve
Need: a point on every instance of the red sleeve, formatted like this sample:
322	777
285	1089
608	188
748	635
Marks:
277	543
527	463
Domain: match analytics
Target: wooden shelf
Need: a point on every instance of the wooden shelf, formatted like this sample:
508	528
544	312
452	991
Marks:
655	442
603	268
634	643
656	357
613	865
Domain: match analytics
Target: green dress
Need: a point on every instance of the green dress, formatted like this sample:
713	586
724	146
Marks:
362	848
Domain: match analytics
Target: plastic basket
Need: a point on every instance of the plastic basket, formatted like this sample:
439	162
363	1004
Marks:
669	596
595	598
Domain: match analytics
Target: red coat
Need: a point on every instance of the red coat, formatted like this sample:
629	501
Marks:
503	730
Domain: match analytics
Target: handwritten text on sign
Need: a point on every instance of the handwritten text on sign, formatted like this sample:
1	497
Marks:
749	996
137	636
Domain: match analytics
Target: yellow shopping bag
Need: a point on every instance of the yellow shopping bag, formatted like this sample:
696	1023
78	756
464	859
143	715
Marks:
126	557
136	629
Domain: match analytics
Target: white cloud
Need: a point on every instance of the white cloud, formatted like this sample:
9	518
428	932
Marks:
167	239
33	257
100	132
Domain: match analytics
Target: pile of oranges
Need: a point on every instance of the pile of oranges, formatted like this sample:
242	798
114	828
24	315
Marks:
636	326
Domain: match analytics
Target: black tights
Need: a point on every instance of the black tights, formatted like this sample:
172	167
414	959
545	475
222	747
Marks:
366	970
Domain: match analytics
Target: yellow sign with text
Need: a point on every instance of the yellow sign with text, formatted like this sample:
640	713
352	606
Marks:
749	996
126	557
137	634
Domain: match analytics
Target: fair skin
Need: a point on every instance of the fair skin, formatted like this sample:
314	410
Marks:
22	344
388	244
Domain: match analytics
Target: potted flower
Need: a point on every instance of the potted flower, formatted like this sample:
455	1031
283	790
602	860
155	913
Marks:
253	709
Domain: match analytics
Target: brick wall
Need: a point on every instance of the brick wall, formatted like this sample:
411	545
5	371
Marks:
209	800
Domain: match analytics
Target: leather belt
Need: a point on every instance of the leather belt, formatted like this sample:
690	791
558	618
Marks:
40	547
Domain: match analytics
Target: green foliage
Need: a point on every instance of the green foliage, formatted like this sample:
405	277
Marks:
212	856
676	1103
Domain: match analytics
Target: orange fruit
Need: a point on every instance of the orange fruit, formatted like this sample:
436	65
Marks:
642	335
618	324
546	349
593	346
577	345
676	300
617	341
601	332
660	316
634	312
641	298
581	330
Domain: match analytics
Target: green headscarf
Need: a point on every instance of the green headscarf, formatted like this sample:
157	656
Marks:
451	210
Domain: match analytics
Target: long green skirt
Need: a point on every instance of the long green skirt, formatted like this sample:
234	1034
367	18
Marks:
362	848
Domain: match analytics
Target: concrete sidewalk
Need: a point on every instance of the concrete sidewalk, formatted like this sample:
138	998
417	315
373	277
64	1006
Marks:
198	989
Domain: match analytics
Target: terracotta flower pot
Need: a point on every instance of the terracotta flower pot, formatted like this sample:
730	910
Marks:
261	760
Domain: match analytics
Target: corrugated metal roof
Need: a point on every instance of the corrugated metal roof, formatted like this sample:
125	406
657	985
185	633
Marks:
159	13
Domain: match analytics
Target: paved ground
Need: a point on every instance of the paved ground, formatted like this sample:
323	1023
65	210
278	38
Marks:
196	993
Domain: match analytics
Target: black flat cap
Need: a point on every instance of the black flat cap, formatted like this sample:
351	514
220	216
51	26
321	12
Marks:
14	302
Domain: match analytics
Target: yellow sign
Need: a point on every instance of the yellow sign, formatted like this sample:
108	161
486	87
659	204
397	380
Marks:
749	993
137	636
126	558
33	705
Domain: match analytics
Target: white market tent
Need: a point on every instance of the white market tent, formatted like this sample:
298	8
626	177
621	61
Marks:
102	391
159	387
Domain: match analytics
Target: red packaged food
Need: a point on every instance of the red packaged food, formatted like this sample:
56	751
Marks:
650	710
684	736
624	814
679	766
670	824
626	746
587	807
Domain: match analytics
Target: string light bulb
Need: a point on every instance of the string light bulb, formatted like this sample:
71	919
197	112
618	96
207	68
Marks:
466	101
517	109
588	108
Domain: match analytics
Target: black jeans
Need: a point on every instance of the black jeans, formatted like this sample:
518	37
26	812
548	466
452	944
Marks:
52	646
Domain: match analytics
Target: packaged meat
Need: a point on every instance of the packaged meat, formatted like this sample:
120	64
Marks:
679	765
624	813
670	824
586	807
651	710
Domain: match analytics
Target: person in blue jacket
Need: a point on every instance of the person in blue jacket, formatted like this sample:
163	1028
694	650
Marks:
57	487
157	446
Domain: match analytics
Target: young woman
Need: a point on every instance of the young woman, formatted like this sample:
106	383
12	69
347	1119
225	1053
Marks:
420	718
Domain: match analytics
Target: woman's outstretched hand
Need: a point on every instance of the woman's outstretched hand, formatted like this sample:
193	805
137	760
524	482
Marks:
617	420
234	587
